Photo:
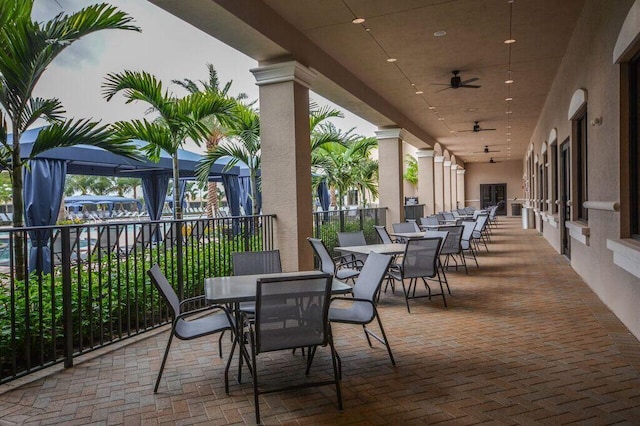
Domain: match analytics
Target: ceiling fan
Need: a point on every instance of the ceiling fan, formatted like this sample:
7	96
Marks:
456	82
486	150
492	161
476	128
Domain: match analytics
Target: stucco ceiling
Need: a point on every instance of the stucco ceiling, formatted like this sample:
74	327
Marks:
354	71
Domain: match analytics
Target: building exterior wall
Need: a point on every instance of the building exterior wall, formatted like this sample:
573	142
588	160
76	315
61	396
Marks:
509	172
588	65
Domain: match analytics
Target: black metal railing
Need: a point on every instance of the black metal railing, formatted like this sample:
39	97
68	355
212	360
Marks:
327	224
88	288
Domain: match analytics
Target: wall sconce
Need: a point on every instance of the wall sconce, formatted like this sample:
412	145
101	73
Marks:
597	121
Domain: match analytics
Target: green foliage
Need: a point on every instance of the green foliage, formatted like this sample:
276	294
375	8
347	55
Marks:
111	298
411	172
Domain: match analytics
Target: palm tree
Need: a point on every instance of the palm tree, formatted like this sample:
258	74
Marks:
243	146
123	185
27	48
217	130
179	118
348	166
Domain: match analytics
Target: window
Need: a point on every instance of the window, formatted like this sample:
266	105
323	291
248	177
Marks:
555	180
634	142
545	181
580	132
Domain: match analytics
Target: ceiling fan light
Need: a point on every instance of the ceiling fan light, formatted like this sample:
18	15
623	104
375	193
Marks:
358	20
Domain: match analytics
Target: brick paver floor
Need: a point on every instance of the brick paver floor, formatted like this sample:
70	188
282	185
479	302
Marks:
523	341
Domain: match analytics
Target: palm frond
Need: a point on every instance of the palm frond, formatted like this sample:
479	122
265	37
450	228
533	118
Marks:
52	109
151	132
83	132
136	86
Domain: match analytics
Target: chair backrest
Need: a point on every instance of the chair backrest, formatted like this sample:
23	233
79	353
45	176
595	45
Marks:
467	234
256	262
346	239
481	222
451	244
292	312
492	212
371	276
166	291
448	216
421	257
438	234
383	234
404	227
429	220
326	261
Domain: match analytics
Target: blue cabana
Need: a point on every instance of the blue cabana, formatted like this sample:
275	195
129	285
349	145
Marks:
93	161
109	201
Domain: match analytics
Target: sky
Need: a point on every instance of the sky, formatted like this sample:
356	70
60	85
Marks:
167	47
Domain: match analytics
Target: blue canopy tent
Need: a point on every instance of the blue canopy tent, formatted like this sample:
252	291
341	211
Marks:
78	201
45	177
243	188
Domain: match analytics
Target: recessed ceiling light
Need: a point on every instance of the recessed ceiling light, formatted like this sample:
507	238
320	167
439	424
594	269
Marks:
509	112
419	92
452	131
508	99
367	29
358	20
508	81
391	59
509	134
471	109
432	107
508	140
510	41
441	118
440	33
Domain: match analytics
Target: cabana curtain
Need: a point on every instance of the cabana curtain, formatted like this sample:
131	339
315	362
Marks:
43	184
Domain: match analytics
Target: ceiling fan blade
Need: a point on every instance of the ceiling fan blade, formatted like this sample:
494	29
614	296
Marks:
470	86
471	80
486	130
446	88
460	131
439	84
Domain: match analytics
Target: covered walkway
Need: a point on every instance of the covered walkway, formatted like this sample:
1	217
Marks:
524	341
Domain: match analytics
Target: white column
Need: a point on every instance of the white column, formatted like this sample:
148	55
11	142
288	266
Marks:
446	172
438	183
454	186
390	171
286	158
425	180
461	194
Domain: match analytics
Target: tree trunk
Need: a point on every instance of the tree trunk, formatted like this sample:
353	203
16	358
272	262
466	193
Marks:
177	207
332	196
18	208
212	187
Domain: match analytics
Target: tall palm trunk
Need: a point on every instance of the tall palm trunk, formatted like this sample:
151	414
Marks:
18	207
212	187
177	206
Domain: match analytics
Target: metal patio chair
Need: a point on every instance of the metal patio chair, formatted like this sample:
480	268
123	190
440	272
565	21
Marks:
342	270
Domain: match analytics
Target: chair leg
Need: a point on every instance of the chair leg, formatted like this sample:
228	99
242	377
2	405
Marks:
312	354
256	395
220	343
337	371
384	337
366	334
164	361
406	295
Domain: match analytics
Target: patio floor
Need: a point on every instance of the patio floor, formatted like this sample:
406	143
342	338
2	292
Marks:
523	341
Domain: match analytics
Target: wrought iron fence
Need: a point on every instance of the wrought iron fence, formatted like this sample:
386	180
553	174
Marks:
328	224
86	286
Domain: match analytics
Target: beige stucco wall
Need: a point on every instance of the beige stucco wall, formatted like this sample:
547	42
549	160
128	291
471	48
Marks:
588	65
509	172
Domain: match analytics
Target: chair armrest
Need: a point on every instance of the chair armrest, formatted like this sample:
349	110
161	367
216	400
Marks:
200	310
191	299
351	299
356	263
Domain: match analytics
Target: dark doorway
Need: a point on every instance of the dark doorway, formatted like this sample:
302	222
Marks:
492	194
565	191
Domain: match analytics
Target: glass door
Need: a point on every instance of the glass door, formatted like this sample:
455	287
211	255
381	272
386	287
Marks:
492	194
565	191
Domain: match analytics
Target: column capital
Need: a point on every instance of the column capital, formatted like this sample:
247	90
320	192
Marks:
423	153
438	159
395	133
447	163
454	166
460	171
284	71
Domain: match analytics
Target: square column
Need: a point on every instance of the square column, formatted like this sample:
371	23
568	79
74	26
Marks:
438	183
390	172
286	158
461	195
425	180
454	186
446	173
